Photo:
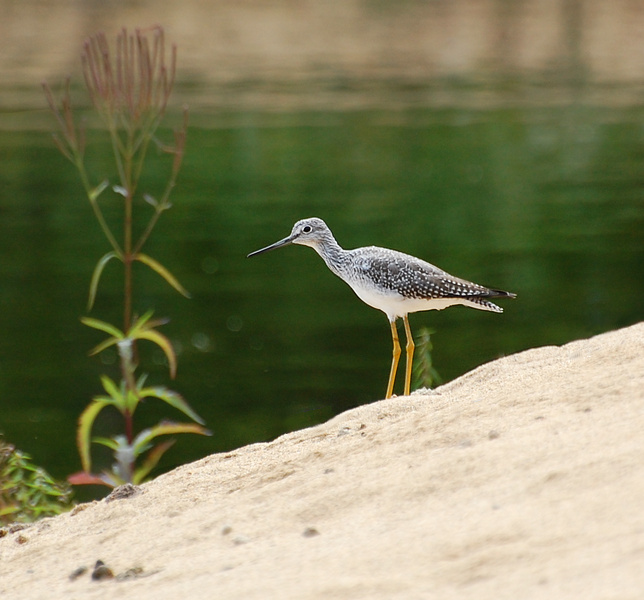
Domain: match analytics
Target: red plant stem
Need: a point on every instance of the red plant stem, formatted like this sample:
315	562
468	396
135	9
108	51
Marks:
127	262
129	427
127	291
127	239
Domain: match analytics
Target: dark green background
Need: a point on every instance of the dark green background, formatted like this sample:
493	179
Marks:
544	202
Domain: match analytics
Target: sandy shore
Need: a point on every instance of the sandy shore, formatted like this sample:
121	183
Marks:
522	479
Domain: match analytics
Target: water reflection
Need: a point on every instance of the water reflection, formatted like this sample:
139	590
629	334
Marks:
545	202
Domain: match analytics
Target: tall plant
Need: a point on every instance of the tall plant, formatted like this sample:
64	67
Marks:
129	86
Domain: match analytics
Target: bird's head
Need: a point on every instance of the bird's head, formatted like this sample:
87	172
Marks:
307	232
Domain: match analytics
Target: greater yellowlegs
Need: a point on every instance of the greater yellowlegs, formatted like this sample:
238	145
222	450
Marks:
393	282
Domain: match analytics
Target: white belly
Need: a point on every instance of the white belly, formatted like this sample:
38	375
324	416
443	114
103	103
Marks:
395	305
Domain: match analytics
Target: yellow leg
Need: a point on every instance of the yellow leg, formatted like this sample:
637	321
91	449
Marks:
410	355
394	360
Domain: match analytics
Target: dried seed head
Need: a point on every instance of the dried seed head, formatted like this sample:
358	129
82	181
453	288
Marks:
72	143
132	83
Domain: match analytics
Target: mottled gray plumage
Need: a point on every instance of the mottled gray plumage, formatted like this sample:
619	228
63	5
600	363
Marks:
393	282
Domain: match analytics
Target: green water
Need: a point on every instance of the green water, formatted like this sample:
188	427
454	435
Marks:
544	202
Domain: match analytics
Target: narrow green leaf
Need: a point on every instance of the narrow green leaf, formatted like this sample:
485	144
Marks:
114	392
141	323
161	270
98	190
85	423
165	345
103	326
110	387
8	510
115	402
96	276
113	444
151	461
165	428
106	344
151	200
141	381
173	399
133	400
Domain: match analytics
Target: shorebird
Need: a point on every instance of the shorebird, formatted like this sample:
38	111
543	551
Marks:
391	281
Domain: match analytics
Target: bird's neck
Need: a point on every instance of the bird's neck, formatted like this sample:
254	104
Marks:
332	254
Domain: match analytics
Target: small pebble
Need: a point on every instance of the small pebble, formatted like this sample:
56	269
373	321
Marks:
101	571
76	573
126	490
241	539
310	532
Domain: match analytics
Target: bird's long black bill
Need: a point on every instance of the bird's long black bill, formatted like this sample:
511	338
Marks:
284	242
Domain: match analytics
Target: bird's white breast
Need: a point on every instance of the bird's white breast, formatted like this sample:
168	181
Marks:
394	305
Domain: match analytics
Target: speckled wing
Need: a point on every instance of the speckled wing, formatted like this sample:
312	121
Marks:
414	278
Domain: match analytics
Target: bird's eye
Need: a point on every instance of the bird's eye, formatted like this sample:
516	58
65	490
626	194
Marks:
307	229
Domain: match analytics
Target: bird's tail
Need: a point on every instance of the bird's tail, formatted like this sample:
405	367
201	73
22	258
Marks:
482	302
